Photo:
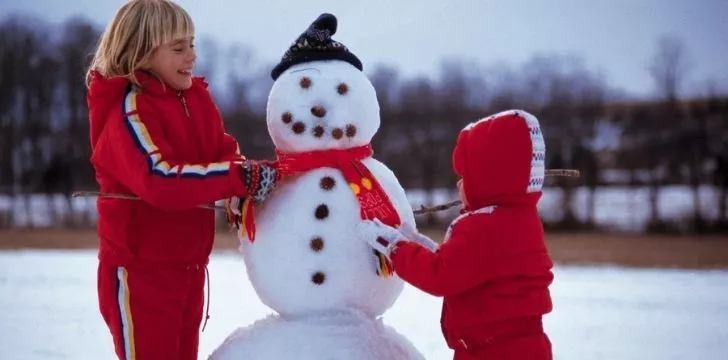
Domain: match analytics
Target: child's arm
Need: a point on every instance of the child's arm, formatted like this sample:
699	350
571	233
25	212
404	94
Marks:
135	152
458	265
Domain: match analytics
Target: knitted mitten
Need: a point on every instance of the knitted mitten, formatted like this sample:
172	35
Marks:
259	178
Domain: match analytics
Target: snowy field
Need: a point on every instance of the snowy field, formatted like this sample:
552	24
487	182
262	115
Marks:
48	311
618	208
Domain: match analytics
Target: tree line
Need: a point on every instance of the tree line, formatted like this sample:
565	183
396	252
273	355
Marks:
668	140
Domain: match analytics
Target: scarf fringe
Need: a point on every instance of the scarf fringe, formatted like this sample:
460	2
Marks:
249	219
384	266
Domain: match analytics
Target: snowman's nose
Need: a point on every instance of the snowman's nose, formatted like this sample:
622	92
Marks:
318	111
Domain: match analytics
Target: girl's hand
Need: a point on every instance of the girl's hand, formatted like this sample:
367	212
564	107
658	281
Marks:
259	178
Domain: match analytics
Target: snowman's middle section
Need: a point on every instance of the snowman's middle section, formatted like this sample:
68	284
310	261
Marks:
309	253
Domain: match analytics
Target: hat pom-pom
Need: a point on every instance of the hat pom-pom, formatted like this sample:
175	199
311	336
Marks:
325	21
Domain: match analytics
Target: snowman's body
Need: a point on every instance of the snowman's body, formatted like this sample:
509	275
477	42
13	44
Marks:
309	260
309	255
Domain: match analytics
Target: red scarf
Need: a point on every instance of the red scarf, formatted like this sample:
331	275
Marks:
373	200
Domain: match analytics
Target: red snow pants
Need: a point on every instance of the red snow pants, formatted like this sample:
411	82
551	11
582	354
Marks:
531	347
153	314
513	339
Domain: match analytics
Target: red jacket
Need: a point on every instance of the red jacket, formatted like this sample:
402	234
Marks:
493	268
170	149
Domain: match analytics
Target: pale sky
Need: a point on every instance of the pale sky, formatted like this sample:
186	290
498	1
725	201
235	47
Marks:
616	37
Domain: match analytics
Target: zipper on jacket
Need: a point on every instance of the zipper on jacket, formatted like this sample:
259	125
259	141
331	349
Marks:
195	135
190	122
195	139
184	102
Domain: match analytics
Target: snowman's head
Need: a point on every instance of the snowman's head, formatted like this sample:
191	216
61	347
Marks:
327	104
321	99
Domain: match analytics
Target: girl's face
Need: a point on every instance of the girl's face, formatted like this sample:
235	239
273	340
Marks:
173	63
461	193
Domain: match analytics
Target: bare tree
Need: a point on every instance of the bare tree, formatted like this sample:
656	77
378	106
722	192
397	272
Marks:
653	126
70	163
386	82
244	108
569	100
669	67
29	96
10	32
718	145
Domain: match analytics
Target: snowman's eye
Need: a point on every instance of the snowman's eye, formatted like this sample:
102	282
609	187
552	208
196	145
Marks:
305	82
342	89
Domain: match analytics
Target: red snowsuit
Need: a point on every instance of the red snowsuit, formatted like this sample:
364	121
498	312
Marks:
493	269
170	149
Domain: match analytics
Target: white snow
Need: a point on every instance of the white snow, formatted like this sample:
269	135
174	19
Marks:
48	310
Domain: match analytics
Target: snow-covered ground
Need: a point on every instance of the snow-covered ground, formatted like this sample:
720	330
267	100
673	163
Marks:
48	310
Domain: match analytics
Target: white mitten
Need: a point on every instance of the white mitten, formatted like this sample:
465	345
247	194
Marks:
408	231
381	237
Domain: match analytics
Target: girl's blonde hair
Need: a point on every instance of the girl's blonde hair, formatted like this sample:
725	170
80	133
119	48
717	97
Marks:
137	29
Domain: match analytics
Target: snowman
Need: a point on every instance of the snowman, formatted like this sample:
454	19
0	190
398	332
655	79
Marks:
306	257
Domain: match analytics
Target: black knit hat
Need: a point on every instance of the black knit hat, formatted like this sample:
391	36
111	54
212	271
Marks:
316	44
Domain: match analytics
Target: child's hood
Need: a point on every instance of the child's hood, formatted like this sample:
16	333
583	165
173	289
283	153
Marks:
106	95
501	160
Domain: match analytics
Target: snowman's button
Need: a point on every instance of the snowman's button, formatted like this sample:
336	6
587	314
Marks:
337	133
355	188
322	212
350	130
287	117
318	278
317	244
327	183
342	89
318	111
299	127
305	82
318	131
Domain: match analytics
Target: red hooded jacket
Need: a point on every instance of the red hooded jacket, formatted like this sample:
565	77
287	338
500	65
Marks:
493	268
170	149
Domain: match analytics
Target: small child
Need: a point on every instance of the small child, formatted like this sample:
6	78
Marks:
156	133
493	269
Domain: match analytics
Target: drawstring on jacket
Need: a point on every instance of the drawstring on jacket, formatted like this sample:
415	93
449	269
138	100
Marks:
207	307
